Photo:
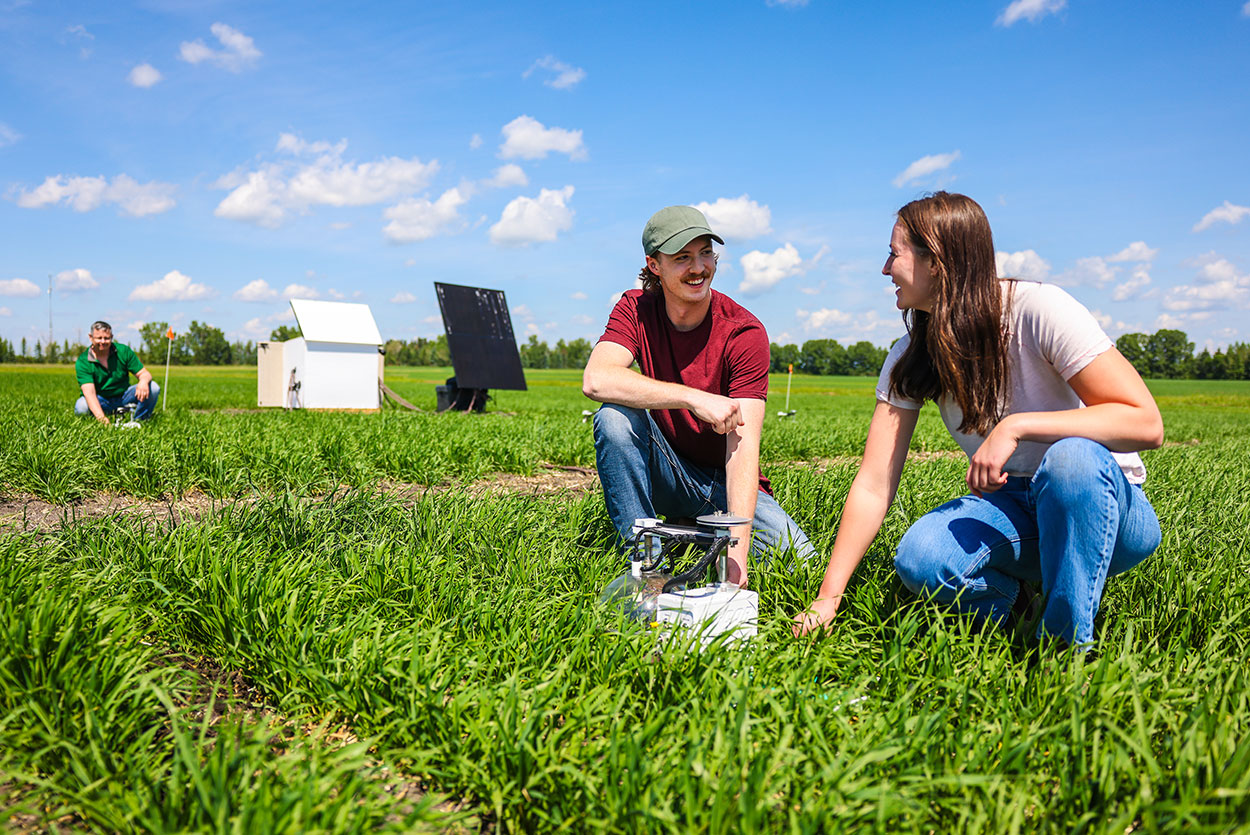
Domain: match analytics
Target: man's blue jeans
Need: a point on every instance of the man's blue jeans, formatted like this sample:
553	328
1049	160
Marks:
1073	524
643	477
112	404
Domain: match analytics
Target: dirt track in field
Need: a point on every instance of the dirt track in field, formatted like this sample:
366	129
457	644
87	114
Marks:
29	513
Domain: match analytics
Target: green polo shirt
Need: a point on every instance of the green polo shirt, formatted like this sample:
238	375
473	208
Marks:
112	381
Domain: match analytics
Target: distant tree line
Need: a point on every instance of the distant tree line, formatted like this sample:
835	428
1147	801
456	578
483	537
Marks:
1165	353
1169	353
828	356
197	344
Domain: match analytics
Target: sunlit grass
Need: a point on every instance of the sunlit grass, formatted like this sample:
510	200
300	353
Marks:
456	636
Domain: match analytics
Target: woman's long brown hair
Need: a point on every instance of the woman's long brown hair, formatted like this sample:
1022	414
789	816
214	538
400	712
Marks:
959	349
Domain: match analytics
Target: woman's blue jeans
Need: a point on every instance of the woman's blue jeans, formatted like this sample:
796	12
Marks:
643	476
1073	524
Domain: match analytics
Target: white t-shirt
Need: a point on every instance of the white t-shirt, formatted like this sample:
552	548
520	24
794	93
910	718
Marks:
1050	337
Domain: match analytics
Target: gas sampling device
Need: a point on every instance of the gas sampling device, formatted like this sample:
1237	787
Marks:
653	593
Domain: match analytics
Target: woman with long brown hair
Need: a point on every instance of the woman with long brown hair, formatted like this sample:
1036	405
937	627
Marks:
1049	413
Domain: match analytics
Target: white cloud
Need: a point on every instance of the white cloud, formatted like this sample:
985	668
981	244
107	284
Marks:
265	196
20	287
259	199
1091	270
1139	280
335	294
8	136
1228	213
581	319
331	183
237	53
299	291
528	138
565	77
530	220
69	281
523	312
925	166
847	326
1245	10
254	329
740	218
1030	10
578	295
1136	251
475	141
762	270
1220	286
1167	320
403	297
4	311
82	194
815	320
144	75
173	287
257	290
1025	264
293	144
510	174
788	4
419	219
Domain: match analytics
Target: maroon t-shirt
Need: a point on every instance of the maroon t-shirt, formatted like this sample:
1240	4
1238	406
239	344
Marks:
727	354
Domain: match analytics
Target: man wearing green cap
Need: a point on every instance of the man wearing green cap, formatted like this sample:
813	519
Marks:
681	436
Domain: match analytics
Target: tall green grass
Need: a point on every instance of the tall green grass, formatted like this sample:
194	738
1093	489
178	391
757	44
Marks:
458	637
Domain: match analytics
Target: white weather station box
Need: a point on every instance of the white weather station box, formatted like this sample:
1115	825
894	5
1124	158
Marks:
335	364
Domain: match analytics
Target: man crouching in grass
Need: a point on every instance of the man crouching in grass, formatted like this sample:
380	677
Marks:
682	438
104	371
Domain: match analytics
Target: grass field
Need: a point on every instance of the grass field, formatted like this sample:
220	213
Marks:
319	654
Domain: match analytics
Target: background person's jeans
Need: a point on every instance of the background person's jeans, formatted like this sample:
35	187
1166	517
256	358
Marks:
111	404
1073	524
642	477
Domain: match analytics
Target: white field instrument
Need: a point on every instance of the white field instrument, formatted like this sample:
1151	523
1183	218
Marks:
664	599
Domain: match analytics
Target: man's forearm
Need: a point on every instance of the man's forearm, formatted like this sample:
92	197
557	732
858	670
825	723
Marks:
627	387
93	402
144	375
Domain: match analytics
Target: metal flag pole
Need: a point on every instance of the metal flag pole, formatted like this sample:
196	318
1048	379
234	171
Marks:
788	379
169	335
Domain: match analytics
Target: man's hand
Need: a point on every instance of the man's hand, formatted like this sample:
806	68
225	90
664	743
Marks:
722	413
816	617
141	390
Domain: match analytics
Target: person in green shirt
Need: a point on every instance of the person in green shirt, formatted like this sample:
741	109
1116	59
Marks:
104	370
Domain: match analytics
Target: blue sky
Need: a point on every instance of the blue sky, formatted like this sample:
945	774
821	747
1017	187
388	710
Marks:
177	160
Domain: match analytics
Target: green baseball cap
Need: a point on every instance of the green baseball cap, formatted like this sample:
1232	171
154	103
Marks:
670	229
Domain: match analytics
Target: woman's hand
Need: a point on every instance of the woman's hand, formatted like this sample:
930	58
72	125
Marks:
817	616
985	472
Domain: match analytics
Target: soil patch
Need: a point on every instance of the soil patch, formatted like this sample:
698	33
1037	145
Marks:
29	513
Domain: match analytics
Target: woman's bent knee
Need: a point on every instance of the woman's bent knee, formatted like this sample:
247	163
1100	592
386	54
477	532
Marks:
1074	458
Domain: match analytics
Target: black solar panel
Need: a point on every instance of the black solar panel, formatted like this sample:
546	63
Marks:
479	336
